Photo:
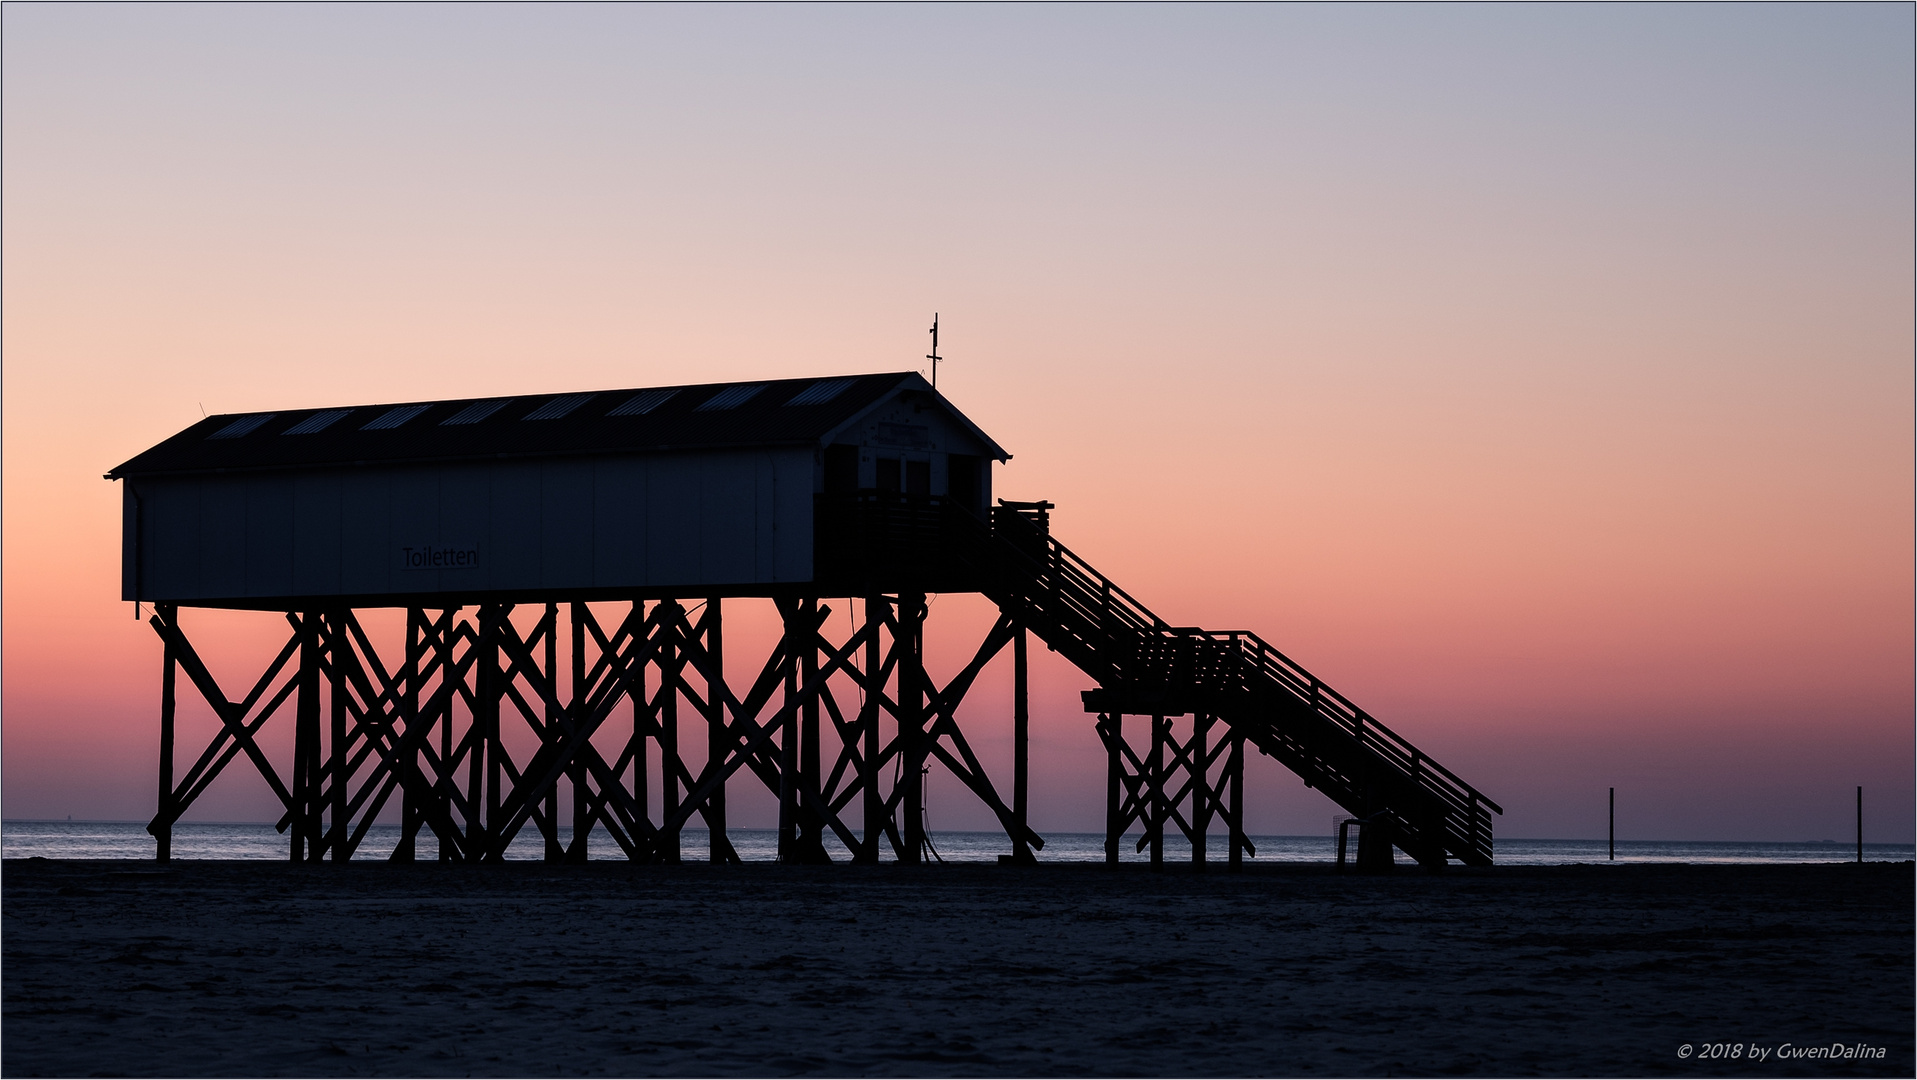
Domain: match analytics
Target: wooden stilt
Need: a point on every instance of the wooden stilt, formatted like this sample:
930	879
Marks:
1114	724
446	784
789	748
1021	752
409	808
168	813
1236	767
581	849
306	739
811	778
337	770
718	842
475	677
549	627
911	620
644	723
873	817
671	672
476	737
1201	791
1155	781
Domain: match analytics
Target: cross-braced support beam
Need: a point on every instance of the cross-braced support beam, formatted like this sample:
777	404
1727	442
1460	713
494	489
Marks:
479	732
1187	782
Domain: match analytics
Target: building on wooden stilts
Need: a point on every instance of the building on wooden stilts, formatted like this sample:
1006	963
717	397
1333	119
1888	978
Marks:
629	523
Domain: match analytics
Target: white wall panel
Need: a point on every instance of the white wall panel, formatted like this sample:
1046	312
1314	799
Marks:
718	520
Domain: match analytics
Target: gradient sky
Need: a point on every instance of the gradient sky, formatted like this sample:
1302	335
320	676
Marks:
1539	377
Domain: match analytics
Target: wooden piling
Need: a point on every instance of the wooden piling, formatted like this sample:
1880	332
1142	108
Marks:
672	671
718	845
581	849
408	765
1021	751
163	833
911	622
1114	780
1237	767
336	770
306	742
1201	791
1155	786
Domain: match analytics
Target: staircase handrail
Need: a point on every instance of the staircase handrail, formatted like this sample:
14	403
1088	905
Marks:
1074	583
1362	724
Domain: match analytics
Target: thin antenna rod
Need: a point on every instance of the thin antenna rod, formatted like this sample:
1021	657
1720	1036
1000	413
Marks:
934	356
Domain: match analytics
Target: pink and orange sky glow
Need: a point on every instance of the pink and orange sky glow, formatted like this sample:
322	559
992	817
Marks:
1541	377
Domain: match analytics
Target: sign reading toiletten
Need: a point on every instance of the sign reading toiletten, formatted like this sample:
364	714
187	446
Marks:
439	557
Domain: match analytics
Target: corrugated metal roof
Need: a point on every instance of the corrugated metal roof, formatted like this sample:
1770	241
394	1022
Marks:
317	422
477	411
732	397
558	407
633	420
392	418
245	425
821	392
642	403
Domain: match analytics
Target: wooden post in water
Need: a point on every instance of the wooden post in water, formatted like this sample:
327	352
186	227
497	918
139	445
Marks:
1613	824
1860	823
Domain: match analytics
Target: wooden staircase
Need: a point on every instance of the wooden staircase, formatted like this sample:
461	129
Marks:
1144	666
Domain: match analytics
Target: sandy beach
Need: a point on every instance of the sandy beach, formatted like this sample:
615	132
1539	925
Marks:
440	970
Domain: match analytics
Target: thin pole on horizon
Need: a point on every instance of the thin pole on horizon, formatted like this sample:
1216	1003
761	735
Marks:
1860	823
934	355
1613	824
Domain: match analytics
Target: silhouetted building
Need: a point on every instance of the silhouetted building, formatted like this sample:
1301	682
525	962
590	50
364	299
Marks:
718	488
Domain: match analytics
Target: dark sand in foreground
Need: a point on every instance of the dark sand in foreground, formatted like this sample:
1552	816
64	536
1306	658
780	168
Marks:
375	969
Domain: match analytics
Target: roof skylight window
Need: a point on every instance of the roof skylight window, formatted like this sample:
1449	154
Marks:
641	404
558	407
477	411
821	392
731	397
317	422
245	425
393	417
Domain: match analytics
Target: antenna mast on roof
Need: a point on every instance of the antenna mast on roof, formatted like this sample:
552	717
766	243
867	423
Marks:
934	357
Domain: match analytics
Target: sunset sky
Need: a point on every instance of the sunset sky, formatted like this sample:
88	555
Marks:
1540	377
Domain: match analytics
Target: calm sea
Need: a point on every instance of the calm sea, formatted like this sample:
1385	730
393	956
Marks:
197	840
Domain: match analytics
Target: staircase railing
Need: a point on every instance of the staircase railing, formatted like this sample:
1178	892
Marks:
1119	641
